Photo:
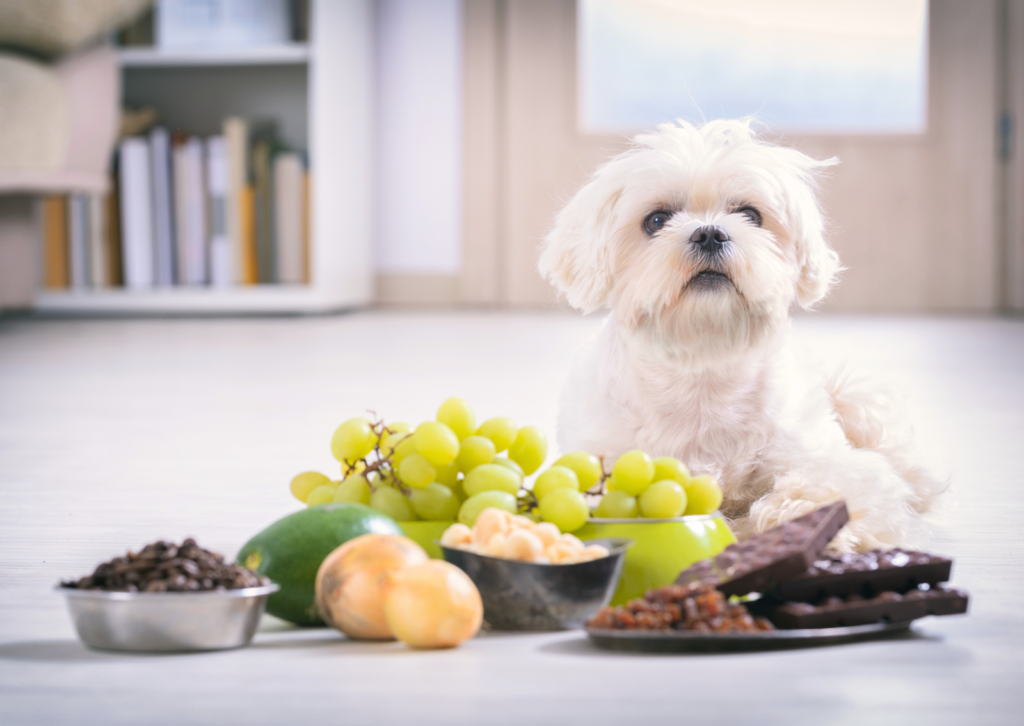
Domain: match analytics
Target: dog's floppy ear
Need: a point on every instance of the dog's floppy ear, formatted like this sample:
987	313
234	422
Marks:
818	262
576	256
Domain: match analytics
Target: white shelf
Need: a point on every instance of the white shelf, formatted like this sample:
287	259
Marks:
258	299
340	129
285	54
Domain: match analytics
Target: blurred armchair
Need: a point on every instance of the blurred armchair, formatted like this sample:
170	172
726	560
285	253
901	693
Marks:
59	120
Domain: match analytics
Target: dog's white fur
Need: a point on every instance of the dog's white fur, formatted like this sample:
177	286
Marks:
703	371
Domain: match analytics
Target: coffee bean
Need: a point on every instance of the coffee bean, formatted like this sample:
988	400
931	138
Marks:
163	566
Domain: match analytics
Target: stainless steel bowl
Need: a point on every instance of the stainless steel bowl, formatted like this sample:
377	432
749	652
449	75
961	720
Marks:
526	596
167	621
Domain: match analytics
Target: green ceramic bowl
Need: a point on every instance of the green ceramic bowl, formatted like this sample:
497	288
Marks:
662	547
426	534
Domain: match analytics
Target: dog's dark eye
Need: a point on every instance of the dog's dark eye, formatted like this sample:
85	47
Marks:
750	213
654	221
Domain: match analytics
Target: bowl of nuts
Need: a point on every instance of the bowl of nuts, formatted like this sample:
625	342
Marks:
167	597
531	576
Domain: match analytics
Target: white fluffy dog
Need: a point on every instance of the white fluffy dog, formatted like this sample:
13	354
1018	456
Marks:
699	239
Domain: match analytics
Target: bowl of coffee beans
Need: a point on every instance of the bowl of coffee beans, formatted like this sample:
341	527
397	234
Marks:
167	597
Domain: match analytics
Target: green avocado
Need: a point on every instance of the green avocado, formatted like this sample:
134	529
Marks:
290	551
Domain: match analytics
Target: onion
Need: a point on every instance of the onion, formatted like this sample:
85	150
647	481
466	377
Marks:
349	583
432	605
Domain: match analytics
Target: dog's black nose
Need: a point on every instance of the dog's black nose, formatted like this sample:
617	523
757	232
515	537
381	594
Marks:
709	238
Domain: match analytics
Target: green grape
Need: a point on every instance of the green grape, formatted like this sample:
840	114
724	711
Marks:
500	430
384	478
616	505
304	483
437	442
402	449
587	467
354	488
472	507
390	438
458	490
392	503
435	501
322	494
633	472
490	477
669	467
509	464
529	449
557	477
458	416
703	495
565	508
474	451
447	475
353	440
416	471
663	499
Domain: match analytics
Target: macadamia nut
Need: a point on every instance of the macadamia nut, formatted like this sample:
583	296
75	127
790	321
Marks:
498	533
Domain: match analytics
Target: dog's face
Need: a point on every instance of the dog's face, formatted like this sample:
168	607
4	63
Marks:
700	238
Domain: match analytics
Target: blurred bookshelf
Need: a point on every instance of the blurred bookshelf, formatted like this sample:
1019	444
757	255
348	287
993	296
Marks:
315	93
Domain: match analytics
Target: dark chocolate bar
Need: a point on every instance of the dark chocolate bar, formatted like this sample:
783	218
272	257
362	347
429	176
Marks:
865	574
893	607
778	554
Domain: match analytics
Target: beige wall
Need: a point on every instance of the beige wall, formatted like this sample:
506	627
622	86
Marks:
917	219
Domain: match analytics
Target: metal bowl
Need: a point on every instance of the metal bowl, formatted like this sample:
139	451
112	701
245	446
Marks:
167	621
527	596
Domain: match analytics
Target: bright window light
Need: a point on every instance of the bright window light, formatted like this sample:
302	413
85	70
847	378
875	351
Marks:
833	66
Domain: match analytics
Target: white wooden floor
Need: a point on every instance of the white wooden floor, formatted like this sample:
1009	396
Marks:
115	433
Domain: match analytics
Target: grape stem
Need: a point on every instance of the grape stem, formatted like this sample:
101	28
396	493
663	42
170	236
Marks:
380	462
527	500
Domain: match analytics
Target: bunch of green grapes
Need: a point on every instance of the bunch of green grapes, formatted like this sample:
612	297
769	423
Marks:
658	488
638	486
445	469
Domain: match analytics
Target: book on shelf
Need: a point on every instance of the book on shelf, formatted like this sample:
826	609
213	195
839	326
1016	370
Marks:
185	211
163	215
243	254
54	219
112	232
190	211
99	268
221	255
137	243
78	240
263	209
289	218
